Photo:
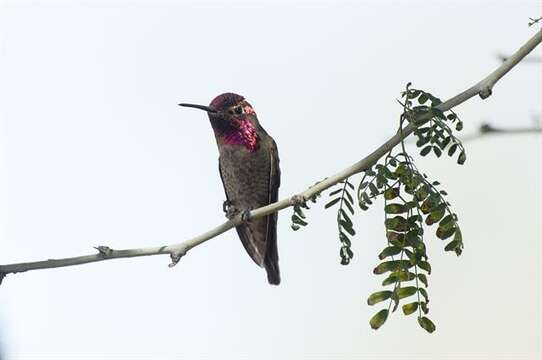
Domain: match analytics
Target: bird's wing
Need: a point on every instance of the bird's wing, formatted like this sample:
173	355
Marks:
222	179
253	244
271	261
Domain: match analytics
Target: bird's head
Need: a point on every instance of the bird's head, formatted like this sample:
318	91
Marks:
233	119
227	111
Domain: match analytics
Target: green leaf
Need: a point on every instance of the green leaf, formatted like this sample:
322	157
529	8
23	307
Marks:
417	244
332	202
391	266
397	223
348	196
381	181
390	280
412	236
297	220
451	246
451	117
412	94
426	324
347	226
402	169
404	292
436	112
389	251
423	98
379	296
426	150
370	172
452	149
398	276
299	212
396	239
447	222
423	279
427	205
443	233
458	242
395	208
410	308
422	141
295	227
424	294
435	215
424	307
344	239
344	216
391	193
346	255
419	131
414	218
458	237
365	198
373	189
422	193
459	126
349	207
445	142
335	192
462	158
379	319
437	151
424	265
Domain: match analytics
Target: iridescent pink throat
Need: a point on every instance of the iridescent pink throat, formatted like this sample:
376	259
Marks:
246	136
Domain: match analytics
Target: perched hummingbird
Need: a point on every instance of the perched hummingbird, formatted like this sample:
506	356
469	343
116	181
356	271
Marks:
249	168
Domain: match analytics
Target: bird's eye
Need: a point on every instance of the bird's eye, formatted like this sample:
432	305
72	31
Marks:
238	110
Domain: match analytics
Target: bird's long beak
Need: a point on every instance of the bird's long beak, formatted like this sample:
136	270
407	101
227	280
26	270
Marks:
201	107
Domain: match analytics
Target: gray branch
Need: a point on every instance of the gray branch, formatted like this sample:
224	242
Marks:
486	130
178	250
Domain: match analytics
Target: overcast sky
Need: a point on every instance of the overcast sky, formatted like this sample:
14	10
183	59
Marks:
95	151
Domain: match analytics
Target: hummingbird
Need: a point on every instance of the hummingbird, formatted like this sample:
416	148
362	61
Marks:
249	168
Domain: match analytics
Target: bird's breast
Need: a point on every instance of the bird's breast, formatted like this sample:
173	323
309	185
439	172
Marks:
245	175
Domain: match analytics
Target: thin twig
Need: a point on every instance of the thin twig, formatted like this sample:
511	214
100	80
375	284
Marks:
176	251
487	130
534	21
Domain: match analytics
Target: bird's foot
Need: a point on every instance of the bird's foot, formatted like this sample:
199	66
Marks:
226	205
245	215
231	212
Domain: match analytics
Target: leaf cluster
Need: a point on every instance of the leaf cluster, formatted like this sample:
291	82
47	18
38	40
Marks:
299	218
343	198
433	126
412	204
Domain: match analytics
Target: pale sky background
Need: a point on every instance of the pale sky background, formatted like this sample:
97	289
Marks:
95	151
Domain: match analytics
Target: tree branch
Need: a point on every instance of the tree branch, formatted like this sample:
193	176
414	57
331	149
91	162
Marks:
178	250
486	130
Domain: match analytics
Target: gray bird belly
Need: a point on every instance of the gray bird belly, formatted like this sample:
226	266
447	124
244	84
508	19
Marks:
246	176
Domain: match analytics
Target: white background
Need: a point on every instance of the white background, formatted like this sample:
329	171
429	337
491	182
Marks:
95	151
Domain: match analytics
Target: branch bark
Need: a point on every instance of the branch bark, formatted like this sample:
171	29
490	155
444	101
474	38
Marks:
483	88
